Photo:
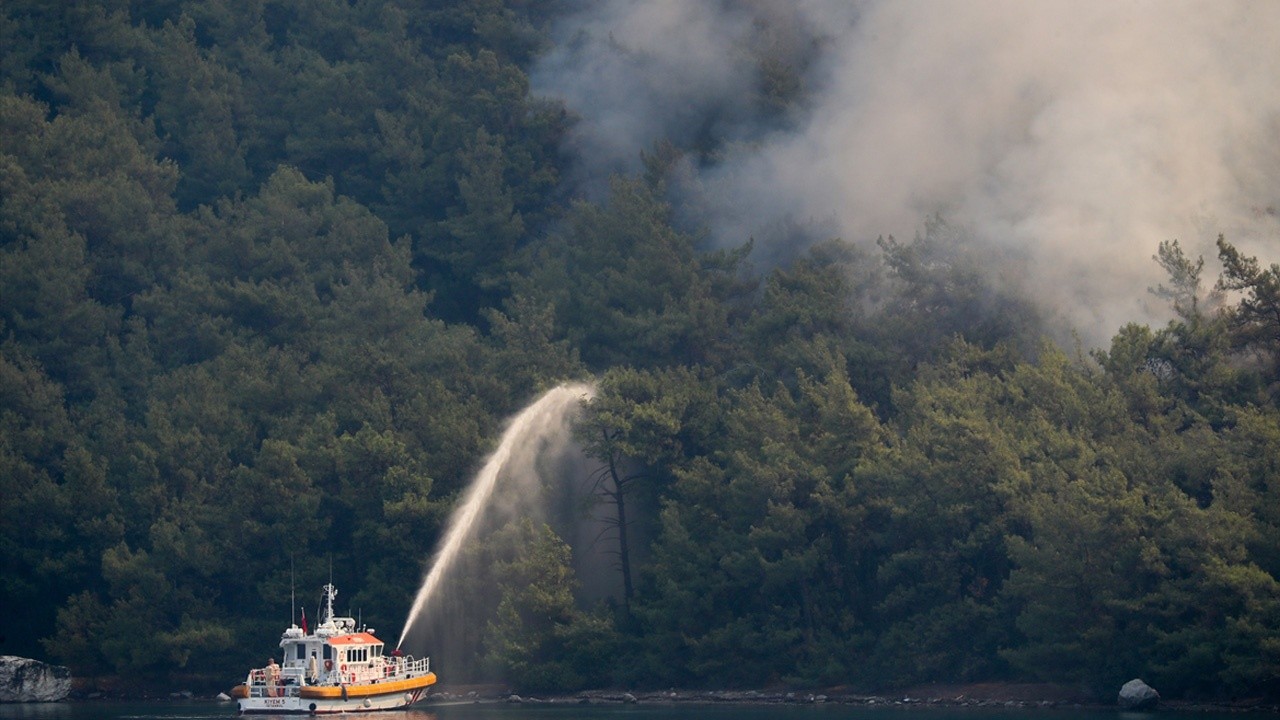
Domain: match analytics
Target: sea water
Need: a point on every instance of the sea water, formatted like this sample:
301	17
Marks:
199	710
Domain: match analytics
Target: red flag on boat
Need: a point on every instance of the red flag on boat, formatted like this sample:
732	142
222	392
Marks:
304	622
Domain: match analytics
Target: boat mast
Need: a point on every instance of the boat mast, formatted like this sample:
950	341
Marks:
330	592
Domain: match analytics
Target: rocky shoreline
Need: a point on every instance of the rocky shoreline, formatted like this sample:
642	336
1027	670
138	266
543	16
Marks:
978	696
744	697
990	696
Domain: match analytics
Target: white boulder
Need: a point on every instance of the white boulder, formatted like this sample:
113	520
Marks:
1137	695
26	680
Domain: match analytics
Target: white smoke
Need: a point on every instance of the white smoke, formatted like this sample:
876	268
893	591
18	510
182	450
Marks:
1075	134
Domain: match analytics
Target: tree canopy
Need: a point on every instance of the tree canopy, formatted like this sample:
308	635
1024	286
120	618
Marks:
273	274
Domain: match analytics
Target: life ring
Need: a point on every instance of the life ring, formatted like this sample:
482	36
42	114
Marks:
328	664
344	667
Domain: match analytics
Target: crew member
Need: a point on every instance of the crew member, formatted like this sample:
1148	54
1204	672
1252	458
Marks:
273	677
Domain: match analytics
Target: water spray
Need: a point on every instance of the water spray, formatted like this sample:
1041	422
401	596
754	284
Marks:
547	414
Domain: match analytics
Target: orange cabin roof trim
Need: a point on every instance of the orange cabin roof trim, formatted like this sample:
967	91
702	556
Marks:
361	638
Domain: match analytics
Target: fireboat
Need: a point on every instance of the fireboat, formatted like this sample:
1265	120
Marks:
339	668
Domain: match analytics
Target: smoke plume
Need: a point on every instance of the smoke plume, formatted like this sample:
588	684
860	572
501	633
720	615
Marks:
1072	135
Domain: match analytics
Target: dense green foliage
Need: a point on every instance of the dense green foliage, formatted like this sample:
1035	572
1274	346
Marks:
272	274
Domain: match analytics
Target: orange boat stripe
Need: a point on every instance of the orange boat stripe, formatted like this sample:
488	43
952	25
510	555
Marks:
378	688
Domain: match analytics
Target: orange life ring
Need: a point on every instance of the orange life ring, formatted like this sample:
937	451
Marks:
328	664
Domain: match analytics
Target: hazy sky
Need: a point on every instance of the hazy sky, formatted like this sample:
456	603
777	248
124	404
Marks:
1074	135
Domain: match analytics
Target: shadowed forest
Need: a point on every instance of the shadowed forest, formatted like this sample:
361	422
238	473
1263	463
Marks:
273	275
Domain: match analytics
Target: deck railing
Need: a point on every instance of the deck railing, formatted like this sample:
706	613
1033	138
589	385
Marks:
285	681
280	682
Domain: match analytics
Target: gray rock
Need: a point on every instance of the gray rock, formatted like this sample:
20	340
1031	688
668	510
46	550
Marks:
513	698
27	680
629	699
222	697
1137	695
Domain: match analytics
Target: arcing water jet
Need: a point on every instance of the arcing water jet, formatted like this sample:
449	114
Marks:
546	416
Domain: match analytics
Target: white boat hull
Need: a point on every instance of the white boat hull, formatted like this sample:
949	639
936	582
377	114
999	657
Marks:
328	706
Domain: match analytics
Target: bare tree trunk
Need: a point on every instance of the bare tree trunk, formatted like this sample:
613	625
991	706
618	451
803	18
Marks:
619	497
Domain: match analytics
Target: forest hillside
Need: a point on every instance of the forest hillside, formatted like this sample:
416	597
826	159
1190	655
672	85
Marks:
274	274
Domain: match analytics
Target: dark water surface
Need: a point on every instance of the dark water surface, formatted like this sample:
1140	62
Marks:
202	710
